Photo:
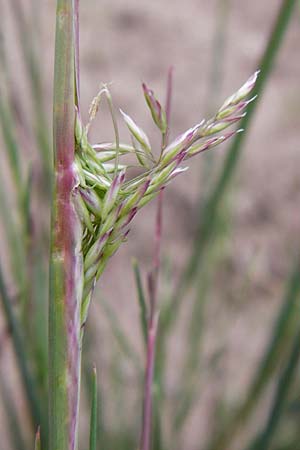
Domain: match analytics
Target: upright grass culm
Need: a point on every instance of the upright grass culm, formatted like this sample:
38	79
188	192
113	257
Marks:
93	206
27	38
21	353
37	443
153	277
94	413
287	376
66	276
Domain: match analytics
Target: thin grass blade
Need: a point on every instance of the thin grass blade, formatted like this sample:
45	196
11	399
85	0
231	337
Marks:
207	218
208	213
141	299
25	30
263	442
283	334
10	141
21	356
15	428
94	413
122	339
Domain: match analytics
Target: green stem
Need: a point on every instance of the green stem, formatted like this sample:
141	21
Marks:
263	442
209	213
93	419
33	69
21	355
285	329
66	278
207	217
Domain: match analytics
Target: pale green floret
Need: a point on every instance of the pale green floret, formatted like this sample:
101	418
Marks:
241	94
137	132
93	202
93	253
179	144
82	211
161	176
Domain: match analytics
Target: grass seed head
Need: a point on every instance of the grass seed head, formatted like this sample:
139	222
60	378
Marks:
107	199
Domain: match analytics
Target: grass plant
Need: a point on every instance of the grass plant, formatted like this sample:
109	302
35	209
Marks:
95	198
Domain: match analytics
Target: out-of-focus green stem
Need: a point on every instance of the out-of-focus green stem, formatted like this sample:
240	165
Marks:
141	300
207	216
21	355
216	70
8	403
33	69
66	278
208	213
93	419
12	235
122	339
37	444
284	332
287	377
10	143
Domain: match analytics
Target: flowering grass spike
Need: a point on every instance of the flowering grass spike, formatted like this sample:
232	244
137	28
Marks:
107	200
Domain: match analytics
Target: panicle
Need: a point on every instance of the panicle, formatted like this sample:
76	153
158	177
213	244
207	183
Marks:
106	203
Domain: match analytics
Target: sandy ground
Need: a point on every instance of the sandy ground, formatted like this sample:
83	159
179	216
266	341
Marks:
126	42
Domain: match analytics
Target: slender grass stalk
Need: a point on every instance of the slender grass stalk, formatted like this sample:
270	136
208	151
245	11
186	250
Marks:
141	300
40	297
66	276
20	229
219	42
263	442
10	143
12	235
94	413
90	341
189	381
7	122
21	356
215	78
122	339
147	409
33	69
10	407
151	333
283	332
18	234
37	444
153	279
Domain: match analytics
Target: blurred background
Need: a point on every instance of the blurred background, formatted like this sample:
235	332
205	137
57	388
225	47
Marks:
227	369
